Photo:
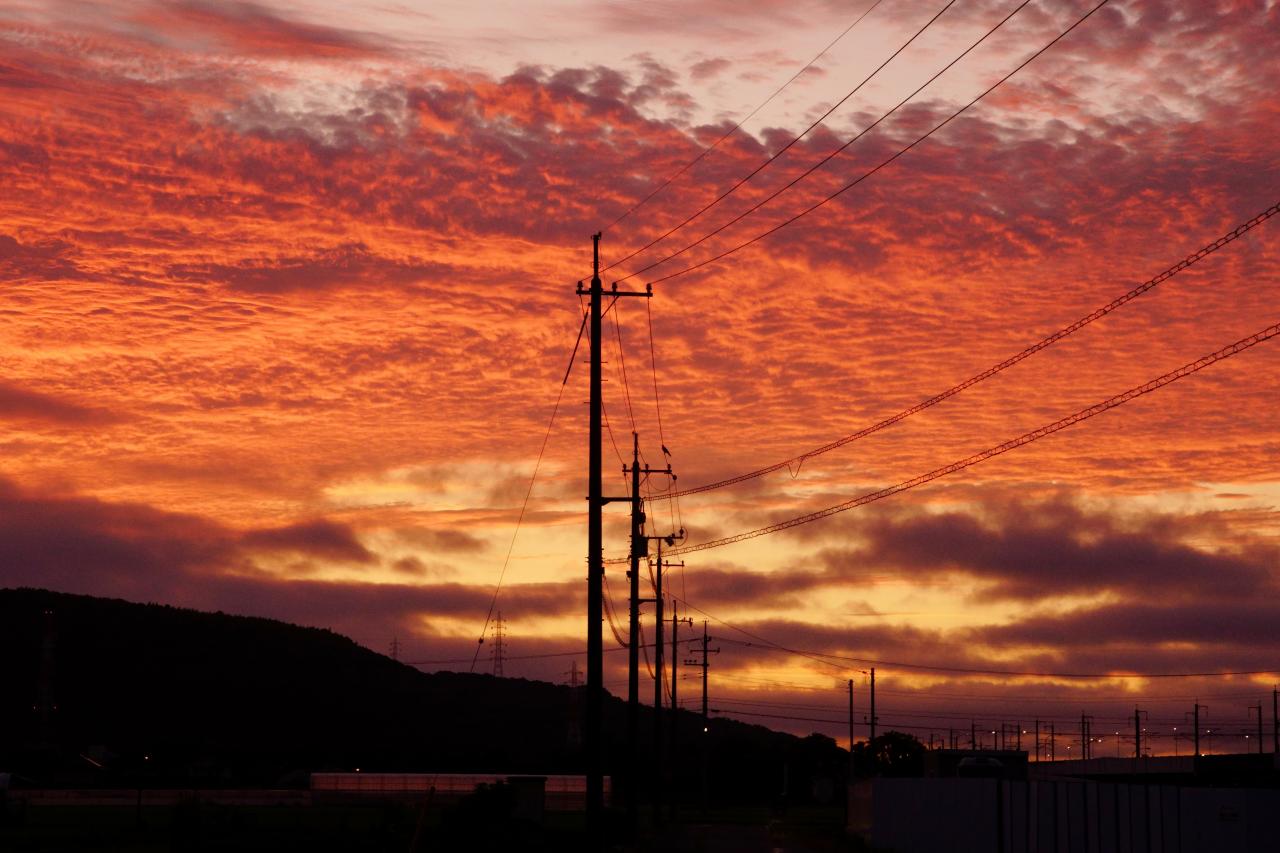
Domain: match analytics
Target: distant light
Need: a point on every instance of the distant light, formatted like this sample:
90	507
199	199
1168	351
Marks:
705	729
357	769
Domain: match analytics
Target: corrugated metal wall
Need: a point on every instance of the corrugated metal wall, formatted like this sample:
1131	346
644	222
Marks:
988	815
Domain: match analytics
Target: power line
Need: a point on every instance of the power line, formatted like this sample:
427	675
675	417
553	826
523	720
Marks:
830	659
524	505
774	157
742	121
874	170
1044	343
1003	672
1027	438
540	656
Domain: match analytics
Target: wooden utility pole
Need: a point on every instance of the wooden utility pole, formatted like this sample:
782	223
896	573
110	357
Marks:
706	721
657	691
593	733
850	728
639	548
1137	733
674	754
873	703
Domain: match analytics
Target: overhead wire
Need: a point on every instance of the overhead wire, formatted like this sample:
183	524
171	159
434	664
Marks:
1044	343
773	158
524	505
1027	438
850	185
842	661
743	120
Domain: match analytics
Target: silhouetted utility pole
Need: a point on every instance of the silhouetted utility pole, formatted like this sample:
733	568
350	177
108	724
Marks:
658	672
1195	723
851	728
639	550
1137	732
1037	740
706	720
973	736
595	553
1053	744
1086	740
575	682
674	755
1258	708
873	703
639	547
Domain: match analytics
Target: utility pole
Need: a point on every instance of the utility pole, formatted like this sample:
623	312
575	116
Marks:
1137	732
1258	708
1086	746
973	736
639	550
633	649
1195	723
1037	741
1053	744
873	703
850	728
575	681
657	692
674	755
658	673
595	552
706	723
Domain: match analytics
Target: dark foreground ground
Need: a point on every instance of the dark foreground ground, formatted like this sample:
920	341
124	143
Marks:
394	827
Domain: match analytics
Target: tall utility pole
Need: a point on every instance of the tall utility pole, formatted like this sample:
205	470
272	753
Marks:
659	670
657	691
1037	740
674	754
1137	732
1086	741
706	723
850	728
639	550
1195	725
639	547
873	703
1053	743
595	552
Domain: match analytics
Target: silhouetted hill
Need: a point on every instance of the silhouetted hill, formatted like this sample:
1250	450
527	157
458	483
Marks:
176	696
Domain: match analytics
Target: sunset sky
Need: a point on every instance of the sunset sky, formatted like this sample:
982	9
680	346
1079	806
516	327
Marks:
289	296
